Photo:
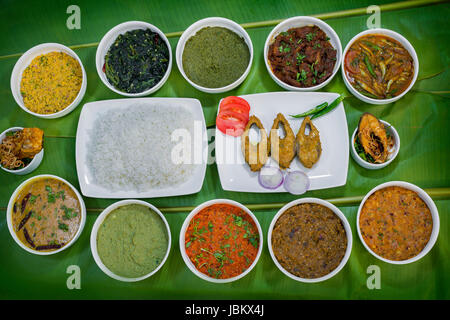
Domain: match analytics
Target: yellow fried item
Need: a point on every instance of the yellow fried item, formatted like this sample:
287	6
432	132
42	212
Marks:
308	145
31	142
255	154
282	149
372	137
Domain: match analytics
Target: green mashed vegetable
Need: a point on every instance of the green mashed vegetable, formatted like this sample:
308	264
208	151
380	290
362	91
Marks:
132	241
215	57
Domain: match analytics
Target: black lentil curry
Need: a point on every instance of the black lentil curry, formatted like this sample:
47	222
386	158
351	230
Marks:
215	57
309	240
136	61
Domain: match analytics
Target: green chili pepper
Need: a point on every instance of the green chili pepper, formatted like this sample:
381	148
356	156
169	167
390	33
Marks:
369	66
311	111
372	45
333	105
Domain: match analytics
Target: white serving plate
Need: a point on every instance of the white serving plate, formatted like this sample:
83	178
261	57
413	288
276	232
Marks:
331	169
86	122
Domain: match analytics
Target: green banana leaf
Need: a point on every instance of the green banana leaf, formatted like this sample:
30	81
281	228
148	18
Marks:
421	119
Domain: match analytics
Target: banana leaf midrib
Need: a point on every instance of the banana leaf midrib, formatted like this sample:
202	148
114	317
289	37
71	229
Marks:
267	23
434	193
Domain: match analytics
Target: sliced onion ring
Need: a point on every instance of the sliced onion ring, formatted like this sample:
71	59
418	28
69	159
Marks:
296	182
270	177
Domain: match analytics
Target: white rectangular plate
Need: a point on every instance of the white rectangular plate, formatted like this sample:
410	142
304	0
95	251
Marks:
331	169
86	122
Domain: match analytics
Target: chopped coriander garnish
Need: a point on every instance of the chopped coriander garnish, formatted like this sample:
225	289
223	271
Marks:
63	226
310	36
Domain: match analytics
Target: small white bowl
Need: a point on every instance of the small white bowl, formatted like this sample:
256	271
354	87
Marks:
297	22
393	152
32	165
337	212
111	36
188	219
10	207
23	63
213	22
99	222
428	201
396	36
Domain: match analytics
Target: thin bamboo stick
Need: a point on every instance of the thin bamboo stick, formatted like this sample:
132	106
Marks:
268	23
434	193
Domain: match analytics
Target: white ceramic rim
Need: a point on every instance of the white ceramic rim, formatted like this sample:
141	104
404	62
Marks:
375	166
428	201
97	225
338	213
37	159
31	54
302	21
113	34
396	36
188	219
213	22
11	205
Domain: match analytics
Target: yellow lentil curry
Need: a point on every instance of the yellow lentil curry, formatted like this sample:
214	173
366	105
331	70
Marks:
396	223
46	214
51	83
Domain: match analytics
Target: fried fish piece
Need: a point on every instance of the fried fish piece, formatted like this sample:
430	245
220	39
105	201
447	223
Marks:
282	149
255	154
309	147
31	142
373	138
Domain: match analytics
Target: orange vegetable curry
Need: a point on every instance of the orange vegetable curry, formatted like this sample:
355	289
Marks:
46	214
222	241
378	66
395	223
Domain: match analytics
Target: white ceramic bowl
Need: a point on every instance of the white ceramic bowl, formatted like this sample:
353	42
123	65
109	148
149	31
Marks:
188	219
337	212
97	225
32	165
404	42
297	22
393	151
213	22
23	63
428	201
9	212
111	36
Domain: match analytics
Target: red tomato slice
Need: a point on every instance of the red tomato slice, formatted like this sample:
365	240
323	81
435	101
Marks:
235	108
231	123
235	100
351	55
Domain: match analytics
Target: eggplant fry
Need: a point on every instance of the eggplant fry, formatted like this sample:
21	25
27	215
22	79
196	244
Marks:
255	154
309	147
282	150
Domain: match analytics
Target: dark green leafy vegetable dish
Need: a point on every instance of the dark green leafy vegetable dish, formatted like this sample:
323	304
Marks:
136	61
215	57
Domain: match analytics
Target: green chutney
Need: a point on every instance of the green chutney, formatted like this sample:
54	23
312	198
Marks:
215	57
132	241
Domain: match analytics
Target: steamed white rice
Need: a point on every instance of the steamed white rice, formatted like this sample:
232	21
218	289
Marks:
130	149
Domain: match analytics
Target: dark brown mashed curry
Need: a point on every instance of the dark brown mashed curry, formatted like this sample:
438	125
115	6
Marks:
309	240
